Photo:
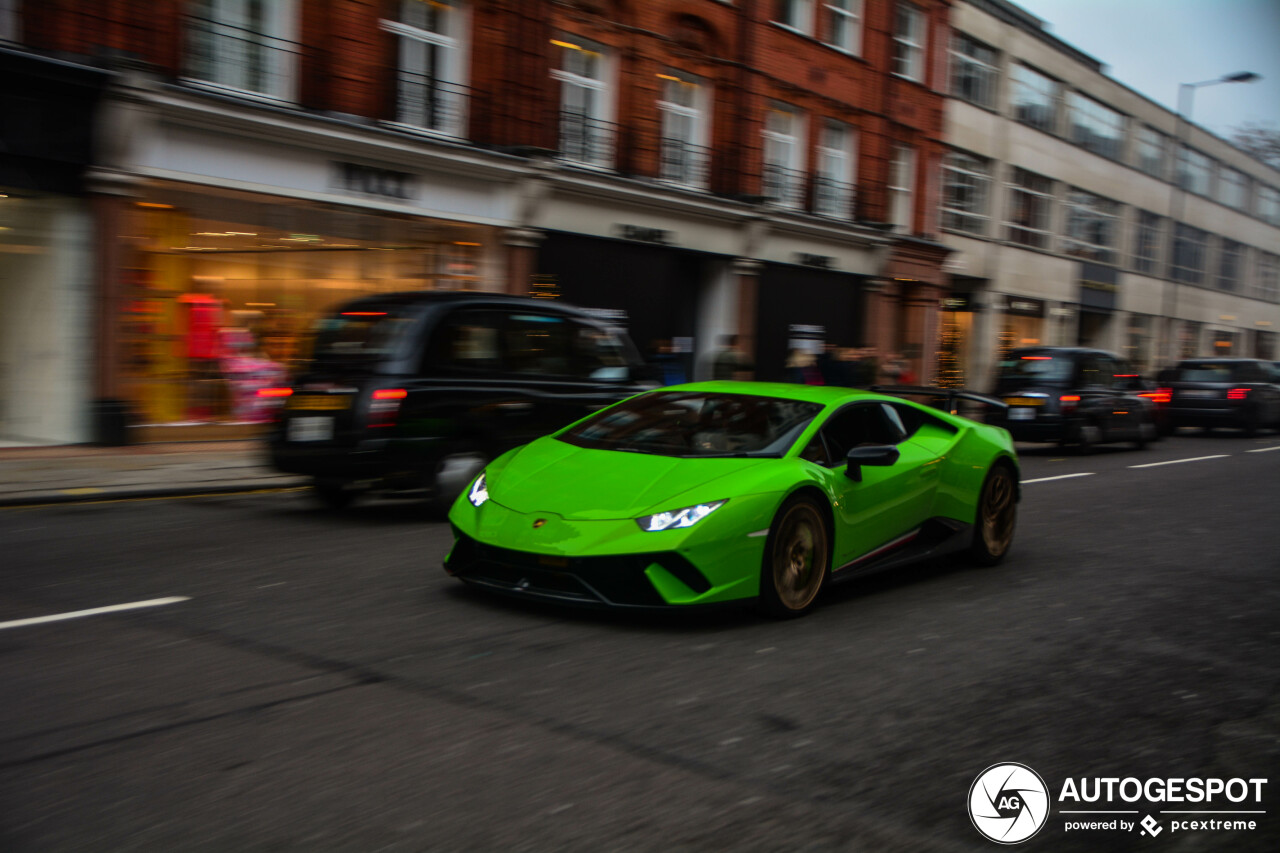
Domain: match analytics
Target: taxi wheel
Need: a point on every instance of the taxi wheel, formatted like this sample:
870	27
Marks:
1087	437
333	493
797	559
997	516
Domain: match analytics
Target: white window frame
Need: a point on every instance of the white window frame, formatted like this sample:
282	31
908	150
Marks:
1233	188
452	74
601	87
1037	234
1026	78
280	37
961	169
1146	222
844	17
692	161
986	73
1085	212
800	13
784	151
837	164
909	46
1149	139
901	185
1268	204
1086	114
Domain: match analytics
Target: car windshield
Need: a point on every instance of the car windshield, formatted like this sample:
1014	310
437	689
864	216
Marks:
692	424
1206	371
359	334
1032	369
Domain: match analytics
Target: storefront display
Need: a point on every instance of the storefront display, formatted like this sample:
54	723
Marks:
221	291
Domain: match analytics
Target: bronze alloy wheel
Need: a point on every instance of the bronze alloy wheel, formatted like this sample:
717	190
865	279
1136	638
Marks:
798	557
997	514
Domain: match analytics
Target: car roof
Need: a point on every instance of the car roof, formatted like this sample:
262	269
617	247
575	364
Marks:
419	298
1065	351
1219	360
822	394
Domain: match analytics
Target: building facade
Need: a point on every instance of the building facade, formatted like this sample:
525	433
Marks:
691	169
1081	212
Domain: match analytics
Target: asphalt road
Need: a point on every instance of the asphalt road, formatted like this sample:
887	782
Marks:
325	686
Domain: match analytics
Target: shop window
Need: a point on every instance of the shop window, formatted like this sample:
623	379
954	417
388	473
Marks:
686	159
248	46
587	137
431	91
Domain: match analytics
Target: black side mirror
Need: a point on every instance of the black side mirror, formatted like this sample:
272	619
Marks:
870	454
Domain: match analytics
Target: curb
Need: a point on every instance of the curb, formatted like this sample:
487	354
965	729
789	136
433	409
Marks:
146	493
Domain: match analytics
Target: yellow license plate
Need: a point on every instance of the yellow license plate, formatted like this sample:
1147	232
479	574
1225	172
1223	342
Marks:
1024	401
319	402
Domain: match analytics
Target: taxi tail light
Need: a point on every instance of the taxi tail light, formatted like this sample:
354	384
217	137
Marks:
1069	402
384	408
273	400
1158	396
1238	394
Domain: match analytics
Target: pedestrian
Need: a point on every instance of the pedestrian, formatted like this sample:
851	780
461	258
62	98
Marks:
730	362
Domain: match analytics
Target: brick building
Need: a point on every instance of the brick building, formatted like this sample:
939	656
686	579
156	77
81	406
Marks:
769	169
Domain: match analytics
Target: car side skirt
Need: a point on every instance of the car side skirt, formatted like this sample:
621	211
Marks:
935	537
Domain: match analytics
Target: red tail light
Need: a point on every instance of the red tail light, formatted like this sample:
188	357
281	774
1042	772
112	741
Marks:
385	406
1069	402
1238	394
1160	395
275	392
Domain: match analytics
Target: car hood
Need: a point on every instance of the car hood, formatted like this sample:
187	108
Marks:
579	483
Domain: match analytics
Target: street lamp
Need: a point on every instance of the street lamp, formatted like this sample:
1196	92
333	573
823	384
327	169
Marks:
1177	200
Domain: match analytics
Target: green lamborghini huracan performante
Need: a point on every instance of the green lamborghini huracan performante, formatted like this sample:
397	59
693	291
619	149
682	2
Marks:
717	492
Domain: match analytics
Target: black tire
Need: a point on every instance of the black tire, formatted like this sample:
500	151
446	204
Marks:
453	473
1087	436
997	516
334	494
1146	432
797	559
1252	422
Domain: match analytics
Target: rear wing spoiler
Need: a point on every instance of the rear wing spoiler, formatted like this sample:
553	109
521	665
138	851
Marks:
950	396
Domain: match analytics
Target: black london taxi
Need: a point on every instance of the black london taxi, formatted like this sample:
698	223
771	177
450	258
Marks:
1073	396
1243	393
414	393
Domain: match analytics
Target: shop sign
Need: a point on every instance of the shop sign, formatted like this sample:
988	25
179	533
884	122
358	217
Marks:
960	302
371	180
1099	285
818	262
1024	307
806	338
643	234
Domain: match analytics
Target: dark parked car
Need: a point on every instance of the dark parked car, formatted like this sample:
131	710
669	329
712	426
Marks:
1224	392
415	392
1073	395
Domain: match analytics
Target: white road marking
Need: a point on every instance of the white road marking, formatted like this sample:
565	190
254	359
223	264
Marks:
94	611
1176	461
1059	477
1263	449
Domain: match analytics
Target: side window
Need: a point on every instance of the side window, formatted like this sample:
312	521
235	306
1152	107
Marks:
538	344
859	424
599	354
466	342
1093	373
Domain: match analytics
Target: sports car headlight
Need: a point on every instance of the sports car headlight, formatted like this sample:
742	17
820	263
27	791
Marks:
677	518
479	492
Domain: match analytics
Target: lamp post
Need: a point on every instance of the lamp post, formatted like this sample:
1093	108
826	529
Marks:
1177	202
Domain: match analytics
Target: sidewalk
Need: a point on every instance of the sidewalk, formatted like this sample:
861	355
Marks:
76	473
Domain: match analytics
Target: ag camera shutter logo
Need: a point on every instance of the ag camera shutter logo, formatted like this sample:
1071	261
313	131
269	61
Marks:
1008	803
